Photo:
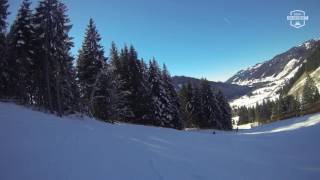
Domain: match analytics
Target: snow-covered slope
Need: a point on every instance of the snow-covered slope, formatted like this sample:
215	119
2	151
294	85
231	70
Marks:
38	146
269	77
297	88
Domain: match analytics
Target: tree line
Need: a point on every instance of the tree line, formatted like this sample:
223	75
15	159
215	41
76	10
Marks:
201	107
286	106
37	68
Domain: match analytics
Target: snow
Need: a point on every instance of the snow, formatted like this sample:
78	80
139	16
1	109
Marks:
307	45
288	125
269	90
35	145
297	88
21	42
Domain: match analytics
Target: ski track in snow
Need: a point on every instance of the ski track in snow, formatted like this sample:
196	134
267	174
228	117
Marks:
36	146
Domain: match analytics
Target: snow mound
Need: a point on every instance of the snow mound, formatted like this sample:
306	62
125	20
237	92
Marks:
36	146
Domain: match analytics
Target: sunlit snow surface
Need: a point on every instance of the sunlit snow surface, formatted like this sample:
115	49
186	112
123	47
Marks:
37	146
270	90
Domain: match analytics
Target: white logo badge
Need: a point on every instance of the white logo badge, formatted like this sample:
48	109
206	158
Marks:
297	18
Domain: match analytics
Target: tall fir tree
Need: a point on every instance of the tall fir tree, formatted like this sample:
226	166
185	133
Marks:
172	118
196	107
20	55
3	61
185	99
123	87
55	72
140	98
121	109
310	93
94	78
90	61
159	99
225	111
211	112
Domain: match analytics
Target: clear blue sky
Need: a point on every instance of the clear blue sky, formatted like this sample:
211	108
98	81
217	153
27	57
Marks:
198	38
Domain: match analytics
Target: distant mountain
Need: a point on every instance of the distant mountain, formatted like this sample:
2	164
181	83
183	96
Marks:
269	77
231	91
311	67
280	66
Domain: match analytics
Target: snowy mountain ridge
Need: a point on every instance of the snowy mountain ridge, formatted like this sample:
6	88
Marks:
263	72
269	77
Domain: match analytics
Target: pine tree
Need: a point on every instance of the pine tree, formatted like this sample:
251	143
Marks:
293	105
159	100
173	117
225	111
121	109
20	55
310	93
196	107
90	61
251	115
55	73
211	113
3	61
185	100
140	98
244	115
95	80
275	110
122	85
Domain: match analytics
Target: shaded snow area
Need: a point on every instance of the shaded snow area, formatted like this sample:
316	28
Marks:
37	146
268	91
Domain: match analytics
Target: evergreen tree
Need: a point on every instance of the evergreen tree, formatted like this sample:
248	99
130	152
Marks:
211	113
173	117
225	111
124	91
310	93
159	99
196	107
121	109
275	110
95	80
243	115
90	61
102	95
133	90
251	115
55	72
140	97
3	61
20	55
185	99
293	105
